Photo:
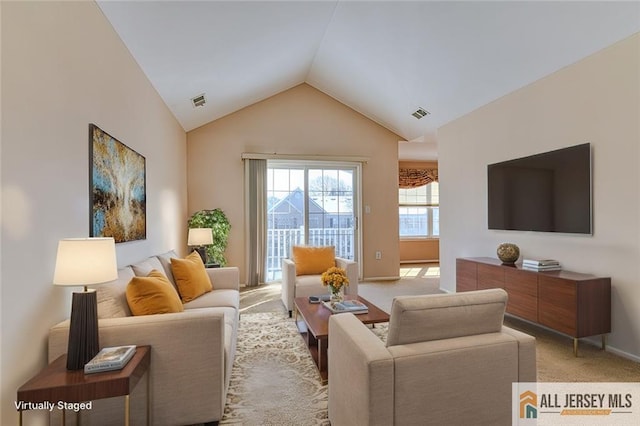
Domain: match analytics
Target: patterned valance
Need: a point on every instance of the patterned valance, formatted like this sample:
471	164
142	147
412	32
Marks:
413	178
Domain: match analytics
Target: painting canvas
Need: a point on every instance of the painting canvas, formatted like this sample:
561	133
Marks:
118	188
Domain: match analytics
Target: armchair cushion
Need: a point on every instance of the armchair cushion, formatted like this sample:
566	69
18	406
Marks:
191	277
152	294
433	317
313	260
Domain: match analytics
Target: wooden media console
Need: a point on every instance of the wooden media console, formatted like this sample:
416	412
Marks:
575	304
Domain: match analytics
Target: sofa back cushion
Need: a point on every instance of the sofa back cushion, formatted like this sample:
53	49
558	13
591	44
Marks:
112	301
165	260
144	267
444	316
313	260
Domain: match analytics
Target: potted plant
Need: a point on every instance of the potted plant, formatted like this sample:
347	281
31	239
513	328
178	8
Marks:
220	226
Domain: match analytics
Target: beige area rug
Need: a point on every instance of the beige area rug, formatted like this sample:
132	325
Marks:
274	380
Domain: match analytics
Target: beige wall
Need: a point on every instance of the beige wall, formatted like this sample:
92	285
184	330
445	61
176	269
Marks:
595	100
299	121
64	67
419	249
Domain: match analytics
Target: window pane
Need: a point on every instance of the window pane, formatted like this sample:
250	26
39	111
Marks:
419	212
413	222
436	221
422	195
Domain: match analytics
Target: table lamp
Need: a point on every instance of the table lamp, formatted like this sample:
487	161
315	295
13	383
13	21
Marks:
198	238
83	262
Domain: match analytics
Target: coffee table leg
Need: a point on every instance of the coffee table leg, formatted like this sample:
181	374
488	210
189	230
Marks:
323	363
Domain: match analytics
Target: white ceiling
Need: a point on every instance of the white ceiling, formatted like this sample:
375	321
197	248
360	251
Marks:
381	58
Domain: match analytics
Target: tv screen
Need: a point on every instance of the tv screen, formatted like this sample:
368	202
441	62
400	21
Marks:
548	192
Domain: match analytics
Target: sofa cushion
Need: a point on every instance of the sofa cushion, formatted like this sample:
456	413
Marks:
165	260
443	316
216	298
143	268
313	260
112	301
152	294
191	277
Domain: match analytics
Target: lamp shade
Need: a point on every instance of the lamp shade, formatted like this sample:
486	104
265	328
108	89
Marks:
200	237
85	261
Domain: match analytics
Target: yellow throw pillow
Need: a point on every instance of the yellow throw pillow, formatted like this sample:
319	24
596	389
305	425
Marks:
313	260
191	277
152	294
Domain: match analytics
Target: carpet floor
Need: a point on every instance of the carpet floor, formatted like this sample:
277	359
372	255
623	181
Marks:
275	382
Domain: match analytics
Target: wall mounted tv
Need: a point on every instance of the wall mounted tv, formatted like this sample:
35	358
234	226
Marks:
548	192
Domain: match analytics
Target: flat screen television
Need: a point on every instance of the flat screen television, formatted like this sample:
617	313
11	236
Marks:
548	192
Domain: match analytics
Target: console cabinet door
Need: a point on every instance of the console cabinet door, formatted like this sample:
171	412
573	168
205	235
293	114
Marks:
466	275
522	287
490	276
558	304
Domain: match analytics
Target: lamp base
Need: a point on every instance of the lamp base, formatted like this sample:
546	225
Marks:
202	251
83	331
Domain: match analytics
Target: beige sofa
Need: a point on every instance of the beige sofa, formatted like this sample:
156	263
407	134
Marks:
294	285
192	352
448	360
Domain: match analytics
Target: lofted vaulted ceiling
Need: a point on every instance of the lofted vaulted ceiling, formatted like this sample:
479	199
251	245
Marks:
384	59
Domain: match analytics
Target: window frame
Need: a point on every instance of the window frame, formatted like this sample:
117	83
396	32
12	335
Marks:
429	213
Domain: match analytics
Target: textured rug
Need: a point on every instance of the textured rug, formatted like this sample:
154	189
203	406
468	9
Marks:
274	380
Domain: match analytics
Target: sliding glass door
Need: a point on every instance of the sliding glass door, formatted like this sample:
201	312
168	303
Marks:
313	204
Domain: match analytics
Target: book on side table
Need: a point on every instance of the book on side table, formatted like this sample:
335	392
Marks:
353	306
111	358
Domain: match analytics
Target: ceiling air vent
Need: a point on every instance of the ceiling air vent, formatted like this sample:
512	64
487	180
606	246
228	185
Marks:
420	112
198	101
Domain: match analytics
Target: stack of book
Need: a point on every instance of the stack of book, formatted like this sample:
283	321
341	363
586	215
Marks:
541	265
112	358
353	306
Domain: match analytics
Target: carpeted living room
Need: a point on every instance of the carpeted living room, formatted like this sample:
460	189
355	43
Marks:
390	131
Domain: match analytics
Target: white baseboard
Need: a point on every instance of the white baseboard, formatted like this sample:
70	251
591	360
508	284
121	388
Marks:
408	262
593	341
623	354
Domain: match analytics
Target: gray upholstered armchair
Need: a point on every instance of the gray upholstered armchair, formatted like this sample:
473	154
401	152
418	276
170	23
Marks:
305	281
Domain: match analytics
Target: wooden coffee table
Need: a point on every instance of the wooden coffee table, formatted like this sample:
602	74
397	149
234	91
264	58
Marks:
312	320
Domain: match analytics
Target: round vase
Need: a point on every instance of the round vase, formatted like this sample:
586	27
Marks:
508	253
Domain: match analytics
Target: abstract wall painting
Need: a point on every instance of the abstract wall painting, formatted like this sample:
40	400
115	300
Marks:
118	188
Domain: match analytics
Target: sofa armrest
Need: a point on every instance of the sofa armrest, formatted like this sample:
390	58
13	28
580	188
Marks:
288	283
527	369
227	277
360	374
187	356
351	268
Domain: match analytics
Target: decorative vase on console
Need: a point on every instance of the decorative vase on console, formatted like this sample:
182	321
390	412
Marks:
508	253
336	279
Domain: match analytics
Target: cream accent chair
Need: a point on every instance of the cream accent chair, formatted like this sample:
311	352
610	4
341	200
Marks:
448	361
310	285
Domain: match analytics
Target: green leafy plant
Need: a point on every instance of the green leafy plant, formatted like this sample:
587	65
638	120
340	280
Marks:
218	222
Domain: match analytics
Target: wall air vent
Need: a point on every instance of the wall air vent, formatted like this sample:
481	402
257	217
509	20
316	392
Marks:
198	101
420	112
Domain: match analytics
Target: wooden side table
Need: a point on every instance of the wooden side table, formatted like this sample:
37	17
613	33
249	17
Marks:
57	385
